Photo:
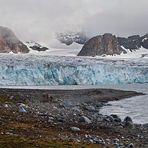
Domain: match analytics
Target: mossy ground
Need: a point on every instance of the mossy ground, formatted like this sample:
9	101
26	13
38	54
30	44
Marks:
29	130
7	141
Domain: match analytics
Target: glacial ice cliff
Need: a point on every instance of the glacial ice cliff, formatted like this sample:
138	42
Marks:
33	70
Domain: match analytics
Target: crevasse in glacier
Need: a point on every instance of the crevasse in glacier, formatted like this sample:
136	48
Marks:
51	70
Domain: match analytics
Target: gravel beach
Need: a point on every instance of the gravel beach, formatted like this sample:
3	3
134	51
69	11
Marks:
66	118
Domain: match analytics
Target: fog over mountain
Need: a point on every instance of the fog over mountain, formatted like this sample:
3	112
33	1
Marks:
40	20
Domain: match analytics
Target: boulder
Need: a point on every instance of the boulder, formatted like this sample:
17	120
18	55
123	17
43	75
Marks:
10	43
128	122
90	108
116	118
85	120
22	109
128	119
131	145
103	44
75	129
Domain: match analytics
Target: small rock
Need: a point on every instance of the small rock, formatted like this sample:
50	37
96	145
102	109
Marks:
48	98
108	118
23	105
6	105
131	145
54	107
99	119
85	120
11	97
22	108
116	140
128	122
145	125
99	141
108	141
91	141
77	140
90	108
116	118
50	121
75	129
60	119
76	109
116	145
44	114
128	119
51	118
67	104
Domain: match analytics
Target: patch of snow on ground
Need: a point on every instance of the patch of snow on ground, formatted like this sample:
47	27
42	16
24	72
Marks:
57	49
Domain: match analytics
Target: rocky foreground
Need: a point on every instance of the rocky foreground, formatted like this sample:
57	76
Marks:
60	118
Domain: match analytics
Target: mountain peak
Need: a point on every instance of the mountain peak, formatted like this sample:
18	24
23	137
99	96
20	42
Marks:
10	43
109	44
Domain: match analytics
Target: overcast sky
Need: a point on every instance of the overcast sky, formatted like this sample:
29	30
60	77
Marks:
41	19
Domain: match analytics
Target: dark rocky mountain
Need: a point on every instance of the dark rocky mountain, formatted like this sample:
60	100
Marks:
109	44
69	38
36	46
100	45
144	41
132	42
10	43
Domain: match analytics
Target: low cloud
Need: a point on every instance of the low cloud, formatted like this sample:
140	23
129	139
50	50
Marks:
40	20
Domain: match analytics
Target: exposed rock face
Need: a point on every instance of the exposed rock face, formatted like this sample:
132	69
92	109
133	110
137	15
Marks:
35	46
132	42
69	38
39	48
99	45
109	44
144	41
144	56
10	43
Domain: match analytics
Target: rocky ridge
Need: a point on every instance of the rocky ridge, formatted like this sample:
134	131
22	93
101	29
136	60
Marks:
109	44
36	46
102	44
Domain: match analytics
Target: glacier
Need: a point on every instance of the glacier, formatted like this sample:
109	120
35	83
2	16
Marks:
45	70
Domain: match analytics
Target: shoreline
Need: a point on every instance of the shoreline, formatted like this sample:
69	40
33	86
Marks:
45	118
102	94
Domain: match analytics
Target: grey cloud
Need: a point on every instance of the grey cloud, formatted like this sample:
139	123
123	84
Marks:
40	19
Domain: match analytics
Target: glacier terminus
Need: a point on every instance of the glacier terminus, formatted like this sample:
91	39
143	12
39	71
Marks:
34	70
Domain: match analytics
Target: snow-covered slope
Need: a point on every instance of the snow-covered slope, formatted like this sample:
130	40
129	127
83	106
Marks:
59	49
55	48
54	70
71	50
